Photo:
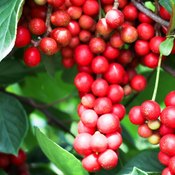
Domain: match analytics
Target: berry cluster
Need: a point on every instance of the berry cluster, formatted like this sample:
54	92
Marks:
159	127
14	164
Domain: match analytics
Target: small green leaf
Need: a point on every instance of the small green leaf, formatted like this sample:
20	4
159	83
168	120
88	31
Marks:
13	124
166	46
146	161
137	171
64	160
9	15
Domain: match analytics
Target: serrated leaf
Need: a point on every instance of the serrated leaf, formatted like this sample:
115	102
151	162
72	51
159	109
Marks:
166	4
166	46
146	161
9	15
13	124
64	160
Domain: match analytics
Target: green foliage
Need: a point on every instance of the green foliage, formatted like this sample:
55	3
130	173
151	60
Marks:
166	46
10	11
2	173
166	4
13	124
65	161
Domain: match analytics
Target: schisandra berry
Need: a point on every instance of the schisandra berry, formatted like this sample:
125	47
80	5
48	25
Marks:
163	158
19	159
170	99
171	165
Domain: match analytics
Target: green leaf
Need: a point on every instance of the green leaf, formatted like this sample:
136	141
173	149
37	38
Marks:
64	160
9	15
166	4
13	124
137	171
146	161
166	46
172	20
2	172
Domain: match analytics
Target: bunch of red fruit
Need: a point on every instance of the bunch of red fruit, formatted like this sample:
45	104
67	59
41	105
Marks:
159	127
14	164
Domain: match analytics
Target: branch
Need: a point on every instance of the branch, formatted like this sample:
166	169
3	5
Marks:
149	13
39	106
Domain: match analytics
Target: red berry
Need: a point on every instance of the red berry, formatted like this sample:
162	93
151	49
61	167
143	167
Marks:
90	163
85	36
164	13
155	43
115	73
97	45
114	140
110	52
89	118
77	2
91	7
145	31
37	26
102	105
108	159
48	46
114	18
151	60
88	100
60	18
168	116
144	131
108	123
166	171
130	12
62	36
135	115
129	34
170	99
150	110
86	22
115	93
141	47
84	129
19	159
32	56
82	144
39	12
99	142
74	28
116	41
68	62
99	64
143	18
100	87
23	37
83	82
4	160
163	158
167	144
164	130
125	57
171	165
119	110
83	55
74	12
56	3
138	83
66	52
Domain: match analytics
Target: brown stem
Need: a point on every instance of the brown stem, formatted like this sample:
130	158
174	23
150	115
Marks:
149	13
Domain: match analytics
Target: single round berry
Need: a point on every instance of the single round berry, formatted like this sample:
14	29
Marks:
138	83
74	12
48	46
91	7
85	36
114	140
115	73
168	116
150	110
83	55
114	18
23	37
88	100
83	82
151	60
108	123
99	64
119	110
32	56
110	52
100	87
141	47
89	118
154	139
74	28
84	129
164	130
170	99
129	34
125	57
130	12
90	163
67	62
154	124
144	131
108	159
37	26
82	144
164	13
102	105
143	18
99	142
86	22
116	41
135	116
167	144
